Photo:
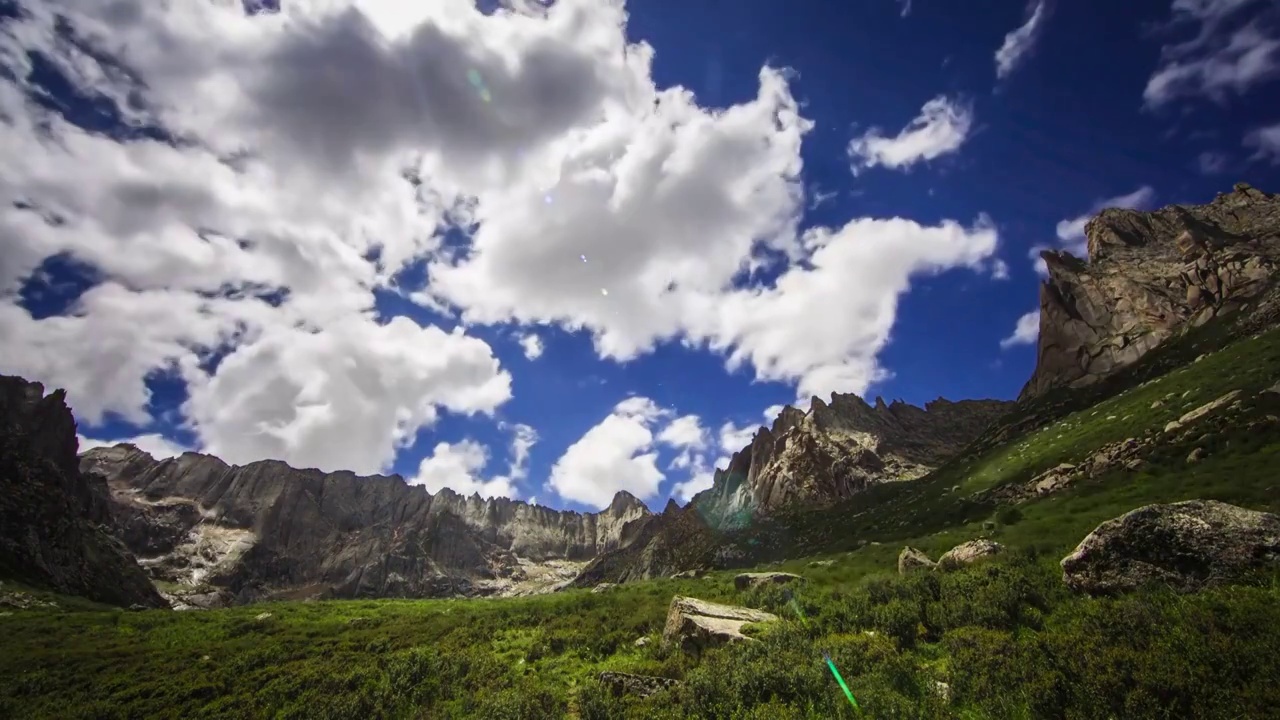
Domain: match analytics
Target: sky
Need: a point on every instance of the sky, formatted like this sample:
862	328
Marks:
556	250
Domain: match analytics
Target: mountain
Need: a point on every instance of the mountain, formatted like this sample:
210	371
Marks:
1151	276
832	453
837	450
55	524
213	533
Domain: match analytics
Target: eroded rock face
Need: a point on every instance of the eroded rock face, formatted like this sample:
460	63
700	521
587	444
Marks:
1149	276
267	530
51	517
838	449
694	625
1186	545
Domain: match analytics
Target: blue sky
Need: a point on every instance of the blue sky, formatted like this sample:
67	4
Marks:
1143	103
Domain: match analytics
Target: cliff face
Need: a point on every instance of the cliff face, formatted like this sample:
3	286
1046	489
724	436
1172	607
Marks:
218	533
54	523
838	449
1151	275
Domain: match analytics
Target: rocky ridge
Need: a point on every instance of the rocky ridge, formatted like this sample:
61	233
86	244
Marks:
836	450
1151	276
215	533
54	523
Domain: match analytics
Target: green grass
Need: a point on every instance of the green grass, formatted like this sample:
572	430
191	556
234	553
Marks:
1006	635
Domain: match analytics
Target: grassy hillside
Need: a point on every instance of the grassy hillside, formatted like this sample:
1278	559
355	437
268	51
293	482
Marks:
1005	636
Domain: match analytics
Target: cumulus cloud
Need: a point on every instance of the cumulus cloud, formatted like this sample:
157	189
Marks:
685	431
1025	332
1266	143
941	128
616	454
1070	231
154	444
328	147
460	466
1236	47
531	344
1019	43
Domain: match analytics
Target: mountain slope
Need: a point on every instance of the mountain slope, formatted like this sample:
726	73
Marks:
53	522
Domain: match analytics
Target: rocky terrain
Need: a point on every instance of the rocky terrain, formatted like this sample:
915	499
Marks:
212	533
836	450
55	524
1149	277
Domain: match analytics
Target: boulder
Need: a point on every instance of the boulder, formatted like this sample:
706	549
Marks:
620	683
749	581
688	574
912	559
966	553
601	588
694	625
1186	545
1201	411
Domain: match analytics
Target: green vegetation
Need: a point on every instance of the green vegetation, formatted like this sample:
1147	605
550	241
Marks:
1004	637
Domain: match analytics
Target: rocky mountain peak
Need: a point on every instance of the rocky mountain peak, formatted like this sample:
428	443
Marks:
1150	276
836	450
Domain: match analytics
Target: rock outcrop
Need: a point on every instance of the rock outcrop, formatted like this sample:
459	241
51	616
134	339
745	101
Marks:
54	523
694	625
911	559
267	530
1149	277
836	450
969	553
1186	545
751	581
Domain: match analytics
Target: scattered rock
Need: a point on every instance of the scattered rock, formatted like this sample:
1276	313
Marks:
748	581
24	601
969	552
689	574
912	559
1202	411
263	616
694	625
822	563
641	641
620	683
942	690
1195	456
1157	404
1186	545
602	587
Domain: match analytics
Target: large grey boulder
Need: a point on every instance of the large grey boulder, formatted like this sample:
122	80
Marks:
750	581
968	553
694	625
1186	545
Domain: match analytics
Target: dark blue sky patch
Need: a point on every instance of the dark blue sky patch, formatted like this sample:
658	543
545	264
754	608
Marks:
57	285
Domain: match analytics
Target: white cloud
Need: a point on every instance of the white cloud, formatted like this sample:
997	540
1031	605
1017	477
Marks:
685	431
1025	332
733	437
1213	163
1231	52
906	7
458	467
771	413
1070	231
616	454
999	269
1019	43
531	344
331	145
941	128
1266	142
684	490
154	444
